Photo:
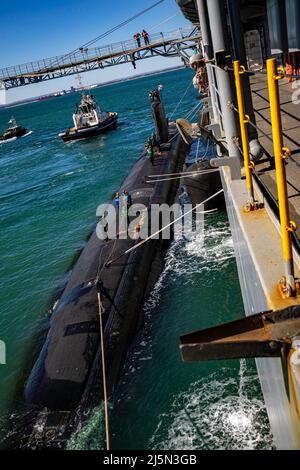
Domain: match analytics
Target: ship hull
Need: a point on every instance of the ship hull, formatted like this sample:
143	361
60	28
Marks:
14	134
93	131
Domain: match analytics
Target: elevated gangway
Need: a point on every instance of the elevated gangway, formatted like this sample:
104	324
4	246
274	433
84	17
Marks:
171	44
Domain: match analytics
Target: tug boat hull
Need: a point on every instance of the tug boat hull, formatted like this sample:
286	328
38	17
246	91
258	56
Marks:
91	131
13	133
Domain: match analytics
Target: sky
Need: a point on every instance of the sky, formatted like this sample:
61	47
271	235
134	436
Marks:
36	29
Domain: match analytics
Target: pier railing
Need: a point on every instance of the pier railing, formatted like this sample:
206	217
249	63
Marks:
288	226
239	71
287	285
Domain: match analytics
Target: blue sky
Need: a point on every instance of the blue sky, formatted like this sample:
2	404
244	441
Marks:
35	29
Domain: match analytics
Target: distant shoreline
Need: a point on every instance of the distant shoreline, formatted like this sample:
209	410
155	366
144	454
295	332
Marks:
57	94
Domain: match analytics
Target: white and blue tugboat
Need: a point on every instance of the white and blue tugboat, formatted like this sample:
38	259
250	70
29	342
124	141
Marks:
89	120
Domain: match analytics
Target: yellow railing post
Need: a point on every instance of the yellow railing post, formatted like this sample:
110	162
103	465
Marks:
280	154
244	119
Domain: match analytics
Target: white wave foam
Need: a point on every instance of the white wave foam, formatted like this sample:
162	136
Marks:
213	414
90	436
210	250
6	141
27	133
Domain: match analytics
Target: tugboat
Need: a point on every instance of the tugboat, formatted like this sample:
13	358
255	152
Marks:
14	131
89	120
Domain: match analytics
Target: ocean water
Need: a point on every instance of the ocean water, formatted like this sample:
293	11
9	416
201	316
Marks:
49	192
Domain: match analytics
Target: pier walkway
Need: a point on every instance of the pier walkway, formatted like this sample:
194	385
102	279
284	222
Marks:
290	114
171	44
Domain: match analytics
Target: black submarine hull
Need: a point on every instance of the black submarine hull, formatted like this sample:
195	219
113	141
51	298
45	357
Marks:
66	378
202	186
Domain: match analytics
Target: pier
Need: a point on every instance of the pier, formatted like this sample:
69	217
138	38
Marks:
290	114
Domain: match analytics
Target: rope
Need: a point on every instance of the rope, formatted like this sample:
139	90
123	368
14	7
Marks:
229	69
183	173
238	146
188	116
172	138
197	151
248	72
162	229
206	151
101	311
152	28
192	111
99	271
182	98
188	175
107	33
253	125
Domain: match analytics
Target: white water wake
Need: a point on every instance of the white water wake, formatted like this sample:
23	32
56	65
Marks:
218	412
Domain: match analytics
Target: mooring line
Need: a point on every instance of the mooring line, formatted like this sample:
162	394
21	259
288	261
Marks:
184	173
101	312
187	175
133	248
182	98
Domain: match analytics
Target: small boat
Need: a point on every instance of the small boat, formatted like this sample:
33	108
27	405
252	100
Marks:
14	131
89	120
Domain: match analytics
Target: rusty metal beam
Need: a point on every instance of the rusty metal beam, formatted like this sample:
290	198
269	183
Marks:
267	334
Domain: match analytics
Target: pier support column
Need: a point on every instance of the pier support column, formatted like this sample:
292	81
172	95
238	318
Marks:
239	51
2	93
208	53
219	34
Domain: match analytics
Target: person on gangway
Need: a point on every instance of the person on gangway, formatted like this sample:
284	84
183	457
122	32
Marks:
137	37
146	37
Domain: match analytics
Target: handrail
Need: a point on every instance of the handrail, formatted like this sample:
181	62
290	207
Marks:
244	120
287	283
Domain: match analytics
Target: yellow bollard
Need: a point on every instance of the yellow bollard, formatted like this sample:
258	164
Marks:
280	153
244	119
